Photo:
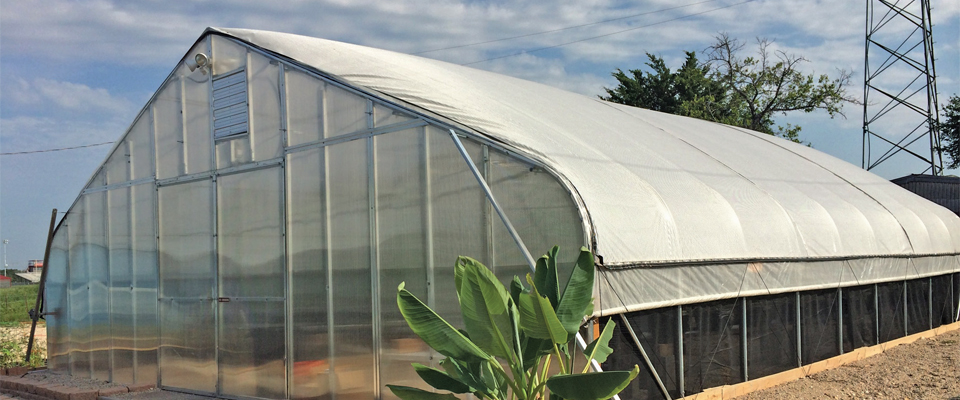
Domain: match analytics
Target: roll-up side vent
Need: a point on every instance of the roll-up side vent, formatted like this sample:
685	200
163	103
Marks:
230	109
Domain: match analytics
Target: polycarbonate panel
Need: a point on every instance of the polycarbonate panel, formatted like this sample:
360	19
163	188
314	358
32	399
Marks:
146	280
252	349
234	151
540	209
352	304
227	55
186	240
263	77
196	117
55	302
890	311
98	284
711	345
657	332
140	147
344	112
943	311
918	305
859	317
383	116
78	295
818	325
771	334
117	166
99	179
120	238
304	105
307	255
456	207
168	130
250	219
402	244
188	345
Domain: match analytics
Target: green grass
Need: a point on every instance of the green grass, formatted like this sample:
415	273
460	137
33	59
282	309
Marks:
16	302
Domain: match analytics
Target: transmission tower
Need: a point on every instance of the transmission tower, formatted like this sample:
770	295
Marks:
900	112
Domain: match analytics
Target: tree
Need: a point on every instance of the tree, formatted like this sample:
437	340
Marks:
950	131
661	89
735	90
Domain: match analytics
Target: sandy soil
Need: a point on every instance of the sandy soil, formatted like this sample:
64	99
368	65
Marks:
925	369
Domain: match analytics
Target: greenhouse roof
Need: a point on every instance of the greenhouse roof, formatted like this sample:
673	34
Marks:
656	188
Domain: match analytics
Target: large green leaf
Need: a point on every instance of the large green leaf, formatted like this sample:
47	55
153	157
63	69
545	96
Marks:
545	277
410	393
434	330
469	374
592	386
485	305
578	295
440	380
516	287
537	318
599	349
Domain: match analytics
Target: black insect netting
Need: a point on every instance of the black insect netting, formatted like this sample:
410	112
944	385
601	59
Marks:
859	318
657	331
918	305
818	325
771	334
890	310
943	308
711	345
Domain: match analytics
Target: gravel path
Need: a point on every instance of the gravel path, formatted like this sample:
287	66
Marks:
925	369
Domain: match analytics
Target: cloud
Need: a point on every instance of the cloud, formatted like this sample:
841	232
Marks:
68	96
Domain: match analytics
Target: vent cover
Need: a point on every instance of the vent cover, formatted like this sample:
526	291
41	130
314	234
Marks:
230	111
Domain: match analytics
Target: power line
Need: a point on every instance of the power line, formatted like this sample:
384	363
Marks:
52	150
607	34
563	29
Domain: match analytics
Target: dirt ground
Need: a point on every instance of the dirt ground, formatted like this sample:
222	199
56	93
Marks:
925	369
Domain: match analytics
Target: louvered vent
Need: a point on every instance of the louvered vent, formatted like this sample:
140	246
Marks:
230	111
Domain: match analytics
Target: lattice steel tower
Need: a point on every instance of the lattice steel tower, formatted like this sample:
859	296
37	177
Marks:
900	112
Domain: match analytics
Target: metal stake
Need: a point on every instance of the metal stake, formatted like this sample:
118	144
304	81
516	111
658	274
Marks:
37	308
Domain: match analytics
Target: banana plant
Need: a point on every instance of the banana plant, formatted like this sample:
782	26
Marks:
511	338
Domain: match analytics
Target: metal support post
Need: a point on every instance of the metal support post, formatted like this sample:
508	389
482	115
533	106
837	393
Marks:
37	310
506	222
646	359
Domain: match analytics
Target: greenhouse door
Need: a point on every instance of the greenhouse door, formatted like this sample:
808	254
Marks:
251	282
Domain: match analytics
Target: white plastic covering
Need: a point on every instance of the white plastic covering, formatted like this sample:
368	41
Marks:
675	202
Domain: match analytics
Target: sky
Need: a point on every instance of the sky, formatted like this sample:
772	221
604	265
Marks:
76	73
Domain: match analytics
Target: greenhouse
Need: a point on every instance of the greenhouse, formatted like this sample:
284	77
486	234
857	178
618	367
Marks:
246	235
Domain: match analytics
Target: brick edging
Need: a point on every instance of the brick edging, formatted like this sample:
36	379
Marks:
31	389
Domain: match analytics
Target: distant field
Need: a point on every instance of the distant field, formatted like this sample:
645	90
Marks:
16	302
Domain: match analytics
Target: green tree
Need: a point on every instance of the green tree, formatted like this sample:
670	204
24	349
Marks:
950	131
736	90
661	89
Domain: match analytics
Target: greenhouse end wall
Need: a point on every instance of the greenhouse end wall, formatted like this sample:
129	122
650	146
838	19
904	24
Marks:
202	263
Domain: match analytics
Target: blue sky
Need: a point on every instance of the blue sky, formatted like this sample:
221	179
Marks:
77	72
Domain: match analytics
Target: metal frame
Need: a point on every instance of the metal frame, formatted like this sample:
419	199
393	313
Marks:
646	359
904	99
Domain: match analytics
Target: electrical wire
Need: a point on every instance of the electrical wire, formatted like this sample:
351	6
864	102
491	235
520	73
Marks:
563	29
608	34
56	149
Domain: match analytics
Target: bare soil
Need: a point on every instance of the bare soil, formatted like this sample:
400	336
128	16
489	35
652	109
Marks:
925	369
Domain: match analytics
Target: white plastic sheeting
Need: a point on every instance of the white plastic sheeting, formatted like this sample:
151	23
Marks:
677	206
